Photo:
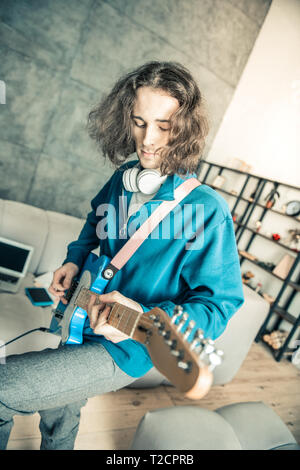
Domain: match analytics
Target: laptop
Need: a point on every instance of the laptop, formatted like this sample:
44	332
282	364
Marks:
14	262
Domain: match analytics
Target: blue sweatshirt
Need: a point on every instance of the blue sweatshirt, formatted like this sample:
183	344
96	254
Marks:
190	259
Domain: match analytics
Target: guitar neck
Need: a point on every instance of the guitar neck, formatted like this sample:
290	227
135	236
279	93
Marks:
121	317
124	319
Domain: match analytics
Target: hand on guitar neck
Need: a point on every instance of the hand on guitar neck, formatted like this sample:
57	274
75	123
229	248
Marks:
98	310
187	364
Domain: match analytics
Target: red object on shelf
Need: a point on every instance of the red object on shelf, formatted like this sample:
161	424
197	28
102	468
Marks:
276	236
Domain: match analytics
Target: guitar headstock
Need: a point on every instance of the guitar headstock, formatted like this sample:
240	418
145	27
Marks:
187	364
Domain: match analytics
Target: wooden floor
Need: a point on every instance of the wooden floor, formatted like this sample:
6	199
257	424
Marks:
109	421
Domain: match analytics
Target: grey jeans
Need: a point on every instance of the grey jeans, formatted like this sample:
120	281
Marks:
56	383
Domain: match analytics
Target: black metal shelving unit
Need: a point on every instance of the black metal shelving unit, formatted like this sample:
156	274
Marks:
276	311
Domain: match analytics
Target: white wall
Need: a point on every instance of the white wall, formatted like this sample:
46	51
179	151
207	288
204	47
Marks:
262	127
262	123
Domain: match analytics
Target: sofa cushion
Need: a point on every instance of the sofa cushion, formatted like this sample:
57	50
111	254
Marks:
182	428
62	230
239	335
48	232
256	425
25	224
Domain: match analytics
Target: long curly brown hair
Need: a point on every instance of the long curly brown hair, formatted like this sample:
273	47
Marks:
109	123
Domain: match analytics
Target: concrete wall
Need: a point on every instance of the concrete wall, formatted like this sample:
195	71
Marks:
58	57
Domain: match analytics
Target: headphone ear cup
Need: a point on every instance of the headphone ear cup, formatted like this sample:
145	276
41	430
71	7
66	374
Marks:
130	179
149	181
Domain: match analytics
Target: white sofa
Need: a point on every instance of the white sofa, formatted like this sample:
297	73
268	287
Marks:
50	233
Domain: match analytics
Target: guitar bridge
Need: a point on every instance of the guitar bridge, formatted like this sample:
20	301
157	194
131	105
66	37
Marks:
57	314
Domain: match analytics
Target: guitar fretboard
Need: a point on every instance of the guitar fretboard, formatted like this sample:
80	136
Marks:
121	317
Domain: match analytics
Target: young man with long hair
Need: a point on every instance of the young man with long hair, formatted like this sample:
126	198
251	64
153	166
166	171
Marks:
154	114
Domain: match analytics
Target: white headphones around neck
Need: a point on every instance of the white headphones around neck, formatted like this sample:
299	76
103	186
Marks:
146	181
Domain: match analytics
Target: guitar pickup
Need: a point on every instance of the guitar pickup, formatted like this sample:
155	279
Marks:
71	290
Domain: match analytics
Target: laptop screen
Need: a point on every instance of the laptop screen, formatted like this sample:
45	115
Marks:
14	256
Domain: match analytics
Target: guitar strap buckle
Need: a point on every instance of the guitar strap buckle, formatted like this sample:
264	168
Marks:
109	272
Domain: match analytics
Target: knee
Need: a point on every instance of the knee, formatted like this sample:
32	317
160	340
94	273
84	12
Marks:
8	409
6	413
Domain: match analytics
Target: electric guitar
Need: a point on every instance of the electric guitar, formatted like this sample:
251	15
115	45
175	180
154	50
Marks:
188	365
68	320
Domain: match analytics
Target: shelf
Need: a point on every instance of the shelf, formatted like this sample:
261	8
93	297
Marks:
294	286
258	293
297	219
229	193
290	283
246	217
252	201
267	238
253	175
285	315
231	169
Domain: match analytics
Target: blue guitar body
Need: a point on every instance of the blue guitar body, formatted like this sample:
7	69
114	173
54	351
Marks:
68	320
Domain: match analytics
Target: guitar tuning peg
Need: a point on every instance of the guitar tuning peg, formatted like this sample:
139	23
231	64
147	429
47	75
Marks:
205	347
184	365
178	354
215	359
208	346
164	333
156	320
182	321
171	342
178	310
198	337
158	324
190	327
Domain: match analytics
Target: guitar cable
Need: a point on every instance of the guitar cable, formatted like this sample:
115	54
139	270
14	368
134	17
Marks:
43	329
46	330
